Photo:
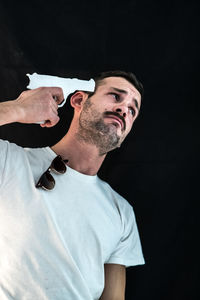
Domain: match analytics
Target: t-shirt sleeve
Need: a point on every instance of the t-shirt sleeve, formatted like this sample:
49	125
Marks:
128	251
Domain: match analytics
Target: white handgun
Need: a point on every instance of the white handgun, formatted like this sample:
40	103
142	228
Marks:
68	85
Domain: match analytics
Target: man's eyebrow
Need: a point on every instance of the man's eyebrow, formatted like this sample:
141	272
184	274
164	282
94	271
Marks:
125	92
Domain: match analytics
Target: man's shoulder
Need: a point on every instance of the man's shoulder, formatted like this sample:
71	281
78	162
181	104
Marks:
4	144
117	198
14	150
10	152
13	157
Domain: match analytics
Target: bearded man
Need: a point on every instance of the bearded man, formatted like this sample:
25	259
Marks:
75	241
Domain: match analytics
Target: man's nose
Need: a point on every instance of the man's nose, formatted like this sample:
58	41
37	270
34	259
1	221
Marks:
121	111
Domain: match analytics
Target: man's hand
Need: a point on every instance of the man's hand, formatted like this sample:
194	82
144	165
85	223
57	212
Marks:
33	106
40	104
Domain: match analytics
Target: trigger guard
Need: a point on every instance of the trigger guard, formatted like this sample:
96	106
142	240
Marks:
63	103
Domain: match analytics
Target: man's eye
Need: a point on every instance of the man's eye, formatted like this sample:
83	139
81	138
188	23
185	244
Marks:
116	96
132	111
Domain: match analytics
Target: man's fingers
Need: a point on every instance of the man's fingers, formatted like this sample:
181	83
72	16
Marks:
55	109
51	123
54	105
57	94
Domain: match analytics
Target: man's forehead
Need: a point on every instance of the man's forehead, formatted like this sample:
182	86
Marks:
120	83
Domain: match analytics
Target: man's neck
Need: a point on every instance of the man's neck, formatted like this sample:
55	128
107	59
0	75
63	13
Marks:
82	157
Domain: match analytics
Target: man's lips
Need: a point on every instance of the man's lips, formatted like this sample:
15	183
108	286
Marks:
116	119
120	120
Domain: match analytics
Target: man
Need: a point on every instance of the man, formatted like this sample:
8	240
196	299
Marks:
74	241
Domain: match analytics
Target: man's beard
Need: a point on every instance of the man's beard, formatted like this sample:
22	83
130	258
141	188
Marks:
93	130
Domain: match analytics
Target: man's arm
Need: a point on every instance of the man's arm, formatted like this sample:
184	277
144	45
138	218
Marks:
115	282
33	106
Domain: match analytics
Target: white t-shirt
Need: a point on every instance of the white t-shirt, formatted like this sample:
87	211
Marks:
54	244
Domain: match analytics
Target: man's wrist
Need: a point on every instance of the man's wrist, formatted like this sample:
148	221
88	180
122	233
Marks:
18	111
10	112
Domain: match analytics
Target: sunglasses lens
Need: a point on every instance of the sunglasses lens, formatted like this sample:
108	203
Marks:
58	165
46	181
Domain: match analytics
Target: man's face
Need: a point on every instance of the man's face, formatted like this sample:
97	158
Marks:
109	114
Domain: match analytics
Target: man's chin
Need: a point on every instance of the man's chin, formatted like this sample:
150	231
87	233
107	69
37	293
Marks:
111	144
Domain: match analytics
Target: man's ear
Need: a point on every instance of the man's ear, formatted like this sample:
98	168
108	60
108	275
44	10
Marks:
77	100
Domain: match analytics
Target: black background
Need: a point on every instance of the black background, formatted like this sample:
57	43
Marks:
156	168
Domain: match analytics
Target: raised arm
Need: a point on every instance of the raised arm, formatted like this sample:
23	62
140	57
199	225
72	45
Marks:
33	106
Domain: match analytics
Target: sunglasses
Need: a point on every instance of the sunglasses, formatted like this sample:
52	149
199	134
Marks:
46	181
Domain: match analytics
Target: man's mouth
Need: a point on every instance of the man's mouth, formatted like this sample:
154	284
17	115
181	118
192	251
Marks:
118	119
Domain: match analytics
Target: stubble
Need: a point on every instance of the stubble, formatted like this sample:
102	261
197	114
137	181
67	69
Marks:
93	130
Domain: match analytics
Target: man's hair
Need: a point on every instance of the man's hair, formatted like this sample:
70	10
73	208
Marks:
129	76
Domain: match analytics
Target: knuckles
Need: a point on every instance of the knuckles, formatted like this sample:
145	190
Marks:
44	92
23	94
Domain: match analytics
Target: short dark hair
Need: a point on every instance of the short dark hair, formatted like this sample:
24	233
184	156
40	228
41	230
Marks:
129	76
